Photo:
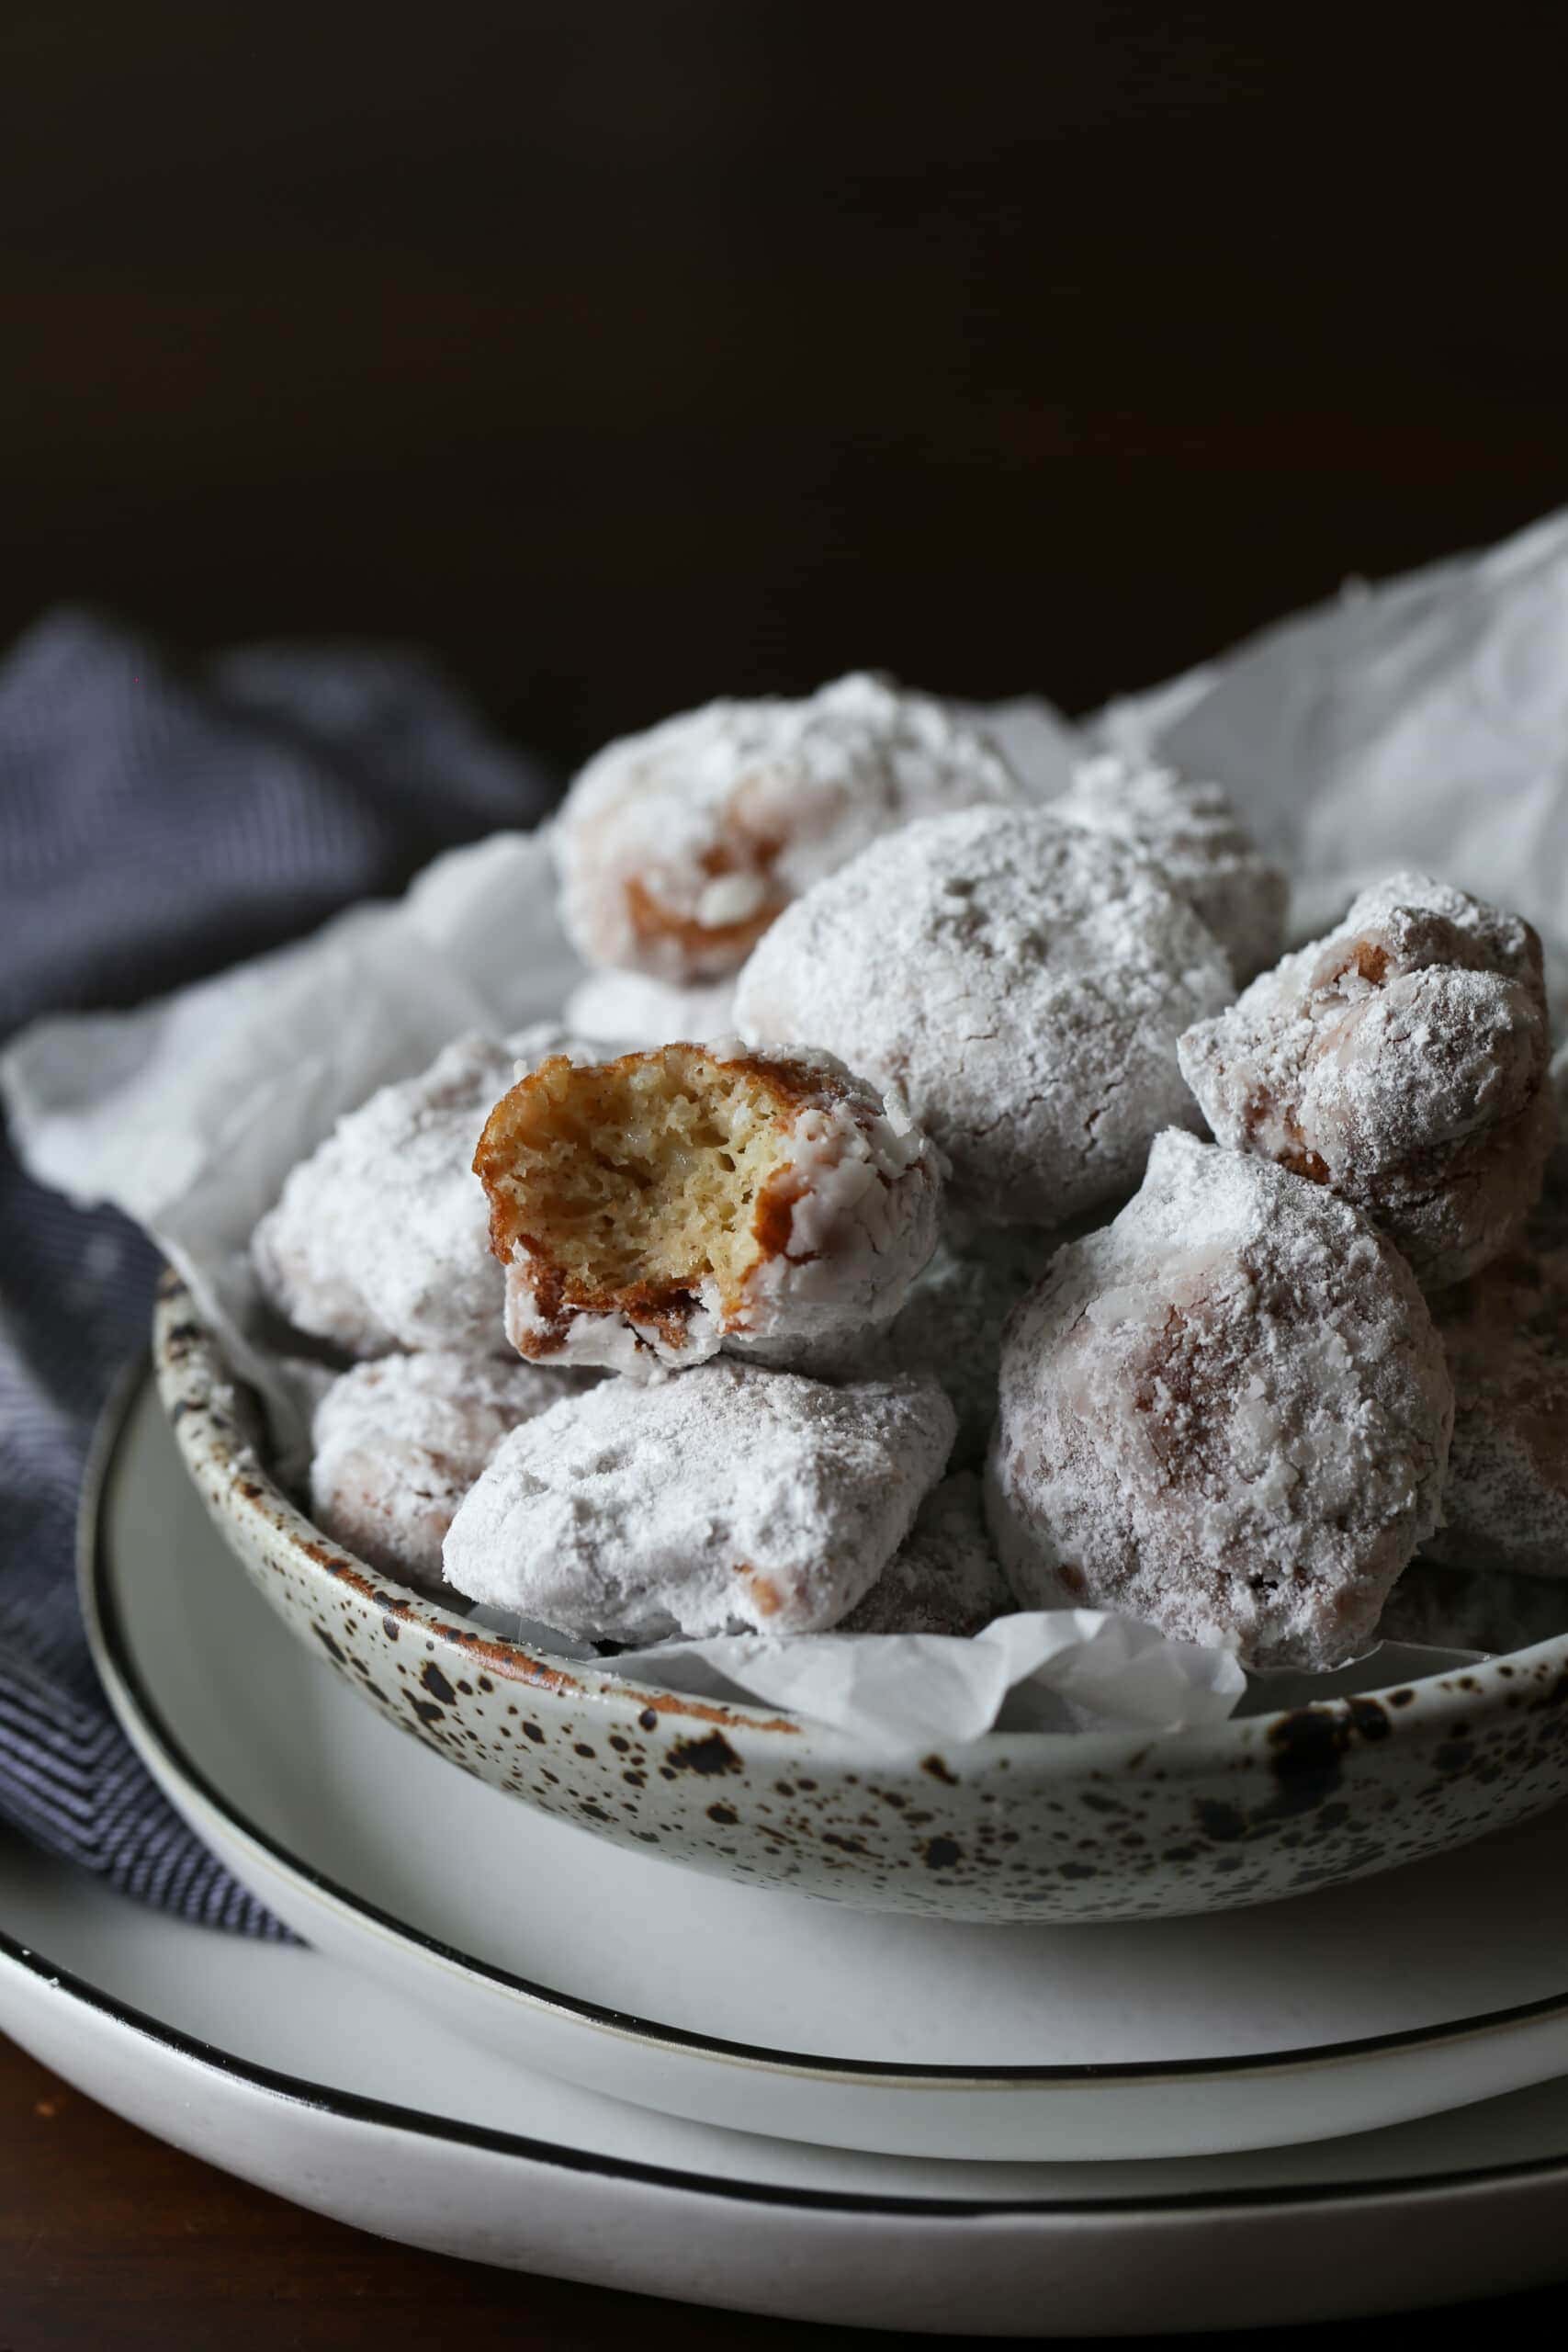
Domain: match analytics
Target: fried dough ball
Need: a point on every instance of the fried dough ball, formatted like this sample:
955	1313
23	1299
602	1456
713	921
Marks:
1226	1414
381	1239
1401	1063
654	1209
1021	981
677	848
399	1443
1192	831
732	1500
1505	1333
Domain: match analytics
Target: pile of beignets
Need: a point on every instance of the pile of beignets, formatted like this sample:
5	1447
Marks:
942	1200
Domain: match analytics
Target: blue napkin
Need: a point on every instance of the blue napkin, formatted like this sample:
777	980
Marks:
155	826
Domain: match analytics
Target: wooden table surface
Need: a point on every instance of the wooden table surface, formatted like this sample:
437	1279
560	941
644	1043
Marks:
110	2241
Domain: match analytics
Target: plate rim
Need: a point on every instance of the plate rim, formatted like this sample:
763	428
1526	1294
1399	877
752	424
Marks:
142	1721
361	2108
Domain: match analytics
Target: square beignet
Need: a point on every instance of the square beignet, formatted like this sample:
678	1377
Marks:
732	1500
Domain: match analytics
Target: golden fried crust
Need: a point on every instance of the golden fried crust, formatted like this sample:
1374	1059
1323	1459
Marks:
549	1097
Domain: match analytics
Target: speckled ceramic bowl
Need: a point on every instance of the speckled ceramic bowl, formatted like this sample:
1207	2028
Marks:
1015	1825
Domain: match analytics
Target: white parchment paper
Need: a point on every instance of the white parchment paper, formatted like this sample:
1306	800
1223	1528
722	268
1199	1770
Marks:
1424	723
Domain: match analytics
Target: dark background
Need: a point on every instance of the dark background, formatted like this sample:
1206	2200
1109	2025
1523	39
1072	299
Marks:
632	353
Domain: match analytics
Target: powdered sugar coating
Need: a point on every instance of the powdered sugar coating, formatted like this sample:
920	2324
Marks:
381	1239
1506	1332
1401	1061
630	1009
944	1576
1193	831
729	1500
1021	981
678	847
950	1328
850	1215
1227	1414
399	1443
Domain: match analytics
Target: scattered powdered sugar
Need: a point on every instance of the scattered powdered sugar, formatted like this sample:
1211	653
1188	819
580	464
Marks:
944	1576
400	1441
1402	1061
381	1239
1021	981
1227	1414
862	1189
678	847
1192	831
730	1499
632	1008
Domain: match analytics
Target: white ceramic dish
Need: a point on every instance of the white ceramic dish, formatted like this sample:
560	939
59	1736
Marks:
1347	2009
1013	1826
280	2067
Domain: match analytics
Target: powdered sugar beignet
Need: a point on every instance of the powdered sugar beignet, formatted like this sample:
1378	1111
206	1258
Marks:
1192	831
381	1239
1021	981
1401	1062
730	1499
399	1443
1505	1333
678	848
653	1209
1227	1414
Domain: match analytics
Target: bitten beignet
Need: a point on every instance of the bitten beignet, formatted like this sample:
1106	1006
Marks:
1400	1062
653	1209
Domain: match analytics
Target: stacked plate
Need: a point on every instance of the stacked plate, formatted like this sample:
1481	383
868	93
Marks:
510	2040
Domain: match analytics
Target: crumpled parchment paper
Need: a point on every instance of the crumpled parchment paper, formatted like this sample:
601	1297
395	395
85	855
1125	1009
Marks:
1422	723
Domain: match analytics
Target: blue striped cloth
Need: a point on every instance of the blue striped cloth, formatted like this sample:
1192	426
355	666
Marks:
155	826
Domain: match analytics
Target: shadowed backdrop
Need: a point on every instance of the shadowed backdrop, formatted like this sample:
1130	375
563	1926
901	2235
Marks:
629	353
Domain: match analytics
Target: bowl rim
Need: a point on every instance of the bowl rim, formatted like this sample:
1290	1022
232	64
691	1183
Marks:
208	1407
162	1749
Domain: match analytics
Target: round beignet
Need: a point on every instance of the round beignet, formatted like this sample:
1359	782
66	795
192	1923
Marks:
732	1500
1021	981
1192	831
654	1209
381	1239
1400	1062
944	1576
1505	1333
677	848
1227	1414
397	1443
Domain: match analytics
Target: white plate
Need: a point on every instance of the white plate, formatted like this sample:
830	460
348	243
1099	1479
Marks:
284	2068
1359	2007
